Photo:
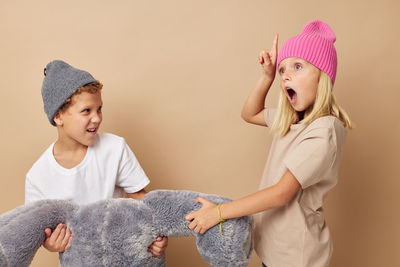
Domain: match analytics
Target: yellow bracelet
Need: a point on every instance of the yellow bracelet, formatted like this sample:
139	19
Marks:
220	220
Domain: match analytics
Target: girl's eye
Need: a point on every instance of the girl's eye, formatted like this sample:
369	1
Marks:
298	67
281	71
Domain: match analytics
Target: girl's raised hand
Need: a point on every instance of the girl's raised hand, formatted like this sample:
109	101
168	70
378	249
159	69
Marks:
267	59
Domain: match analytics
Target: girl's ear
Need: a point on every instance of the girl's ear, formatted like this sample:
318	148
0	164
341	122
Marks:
57	119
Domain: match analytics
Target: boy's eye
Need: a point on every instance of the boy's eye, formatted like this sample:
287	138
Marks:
298	67
99	110
86	110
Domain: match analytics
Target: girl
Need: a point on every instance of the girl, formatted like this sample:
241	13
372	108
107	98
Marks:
310	130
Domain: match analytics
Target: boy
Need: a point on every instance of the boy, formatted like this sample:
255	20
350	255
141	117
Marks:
82	165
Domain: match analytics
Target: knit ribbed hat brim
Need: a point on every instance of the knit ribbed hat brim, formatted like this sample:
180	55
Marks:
315	45
60	82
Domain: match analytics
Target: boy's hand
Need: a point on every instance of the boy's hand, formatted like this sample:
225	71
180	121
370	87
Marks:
158	247
204	218
59	240
268	59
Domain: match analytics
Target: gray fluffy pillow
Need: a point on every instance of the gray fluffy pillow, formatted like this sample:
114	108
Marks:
117	232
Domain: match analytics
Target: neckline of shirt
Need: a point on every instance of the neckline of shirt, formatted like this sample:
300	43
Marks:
72	170
302	124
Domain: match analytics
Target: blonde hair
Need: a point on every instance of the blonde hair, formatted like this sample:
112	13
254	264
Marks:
324	105
90	88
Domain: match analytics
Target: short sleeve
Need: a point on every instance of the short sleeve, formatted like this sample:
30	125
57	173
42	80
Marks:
32	192
312	157
131	176
269	116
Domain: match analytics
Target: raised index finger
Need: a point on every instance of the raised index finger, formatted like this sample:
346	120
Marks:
274	49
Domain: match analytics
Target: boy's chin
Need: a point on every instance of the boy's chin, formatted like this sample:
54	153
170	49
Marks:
91	140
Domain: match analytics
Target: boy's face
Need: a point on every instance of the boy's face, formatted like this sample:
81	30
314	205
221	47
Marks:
80	122
299	80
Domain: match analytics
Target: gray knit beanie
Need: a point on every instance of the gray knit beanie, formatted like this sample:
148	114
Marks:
60	81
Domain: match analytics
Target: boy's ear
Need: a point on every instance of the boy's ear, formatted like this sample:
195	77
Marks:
57	119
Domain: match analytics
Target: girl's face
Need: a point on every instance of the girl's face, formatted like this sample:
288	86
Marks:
79	123
299	80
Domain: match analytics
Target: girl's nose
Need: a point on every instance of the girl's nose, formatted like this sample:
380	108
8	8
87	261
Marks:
286	76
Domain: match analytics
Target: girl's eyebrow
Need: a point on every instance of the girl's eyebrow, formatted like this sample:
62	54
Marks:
299	60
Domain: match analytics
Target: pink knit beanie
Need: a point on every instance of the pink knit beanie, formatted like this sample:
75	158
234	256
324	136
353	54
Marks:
315	45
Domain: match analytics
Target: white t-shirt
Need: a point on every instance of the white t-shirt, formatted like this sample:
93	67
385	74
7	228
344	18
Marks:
109	167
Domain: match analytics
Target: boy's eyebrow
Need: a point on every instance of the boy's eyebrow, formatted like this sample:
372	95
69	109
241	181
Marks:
83	107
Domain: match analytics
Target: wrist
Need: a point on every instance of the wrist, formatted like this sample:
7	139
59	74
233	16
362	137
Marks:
219	213
267	78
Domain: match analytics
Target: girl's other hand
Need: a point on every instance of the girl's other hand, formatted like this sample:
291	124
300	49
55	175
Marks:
204	218
267	59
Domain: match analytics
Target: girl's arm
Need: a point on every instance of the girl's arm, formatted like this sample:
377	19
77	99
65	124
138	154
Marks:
252	111
275	196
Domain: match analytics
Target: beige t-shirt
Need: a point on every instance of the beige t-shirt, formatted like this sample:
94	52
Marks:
296	234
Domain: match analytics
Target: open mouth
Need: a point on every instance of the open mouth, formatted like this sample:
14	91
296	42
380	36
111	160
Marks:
91	130
291	94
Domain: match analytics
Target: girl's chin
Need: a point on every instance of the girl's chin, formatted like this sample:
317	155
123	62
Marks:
298	109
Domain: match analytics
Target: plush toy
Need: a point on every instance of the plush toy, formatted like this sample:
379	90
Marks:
117	232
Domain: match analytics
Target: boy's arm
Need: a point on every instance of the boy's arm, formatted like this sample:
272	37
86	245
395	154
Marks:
252	111
137	195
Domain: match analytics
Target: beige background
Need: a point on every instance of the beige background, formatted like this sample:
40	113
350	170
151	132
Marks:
176	74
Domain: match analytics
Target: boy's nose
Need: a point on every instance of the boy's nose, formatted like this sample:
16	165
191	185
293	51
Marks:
96	118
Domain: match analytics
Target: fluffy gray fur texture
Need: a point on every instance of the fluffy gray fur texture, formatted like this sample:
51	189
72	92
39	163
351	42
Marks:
117	232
